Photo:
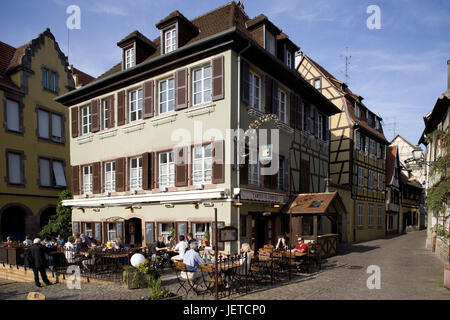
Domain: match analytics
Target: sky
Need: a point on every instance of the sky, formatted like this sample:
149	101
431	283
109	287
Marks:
399	69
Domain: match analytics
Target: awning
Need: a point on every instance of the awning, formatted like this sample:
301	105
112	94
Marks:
327	203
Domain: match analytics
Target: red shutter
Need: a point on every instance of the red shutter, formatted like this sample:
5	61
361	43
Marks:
110	100
217	78
146	171
181	89
181	167
218	167
74	122
268	108
96	177
275	105
120	174
76	180
121	108
245	82
147	90
95	115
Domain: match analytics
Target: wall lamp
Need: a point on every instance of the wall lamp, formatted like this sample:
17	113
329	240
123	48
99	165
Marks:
169	205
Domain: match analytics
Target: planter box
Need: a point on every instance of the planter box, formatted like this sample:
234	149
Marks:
15	256
136	280
3	255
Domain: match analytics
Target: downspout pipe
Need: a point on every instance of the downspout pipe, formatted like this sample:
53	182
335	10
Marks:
239	133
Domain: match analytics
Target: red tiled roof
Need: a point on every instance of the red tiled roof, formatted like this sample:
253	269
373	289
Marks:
391	153
83	78
311	203
7	53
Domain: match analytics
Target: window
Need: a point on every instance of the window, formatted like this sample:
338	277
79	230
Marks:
380	216
270	43
383	151
87	179
202	168
43	124
380	181
105	113
317	83
243	225
112	231
135	105
110	176
57	128
289	59
361	176
170	38
51	173
45	177
283	174
87	227
370	222
85	120
129	58
360	215
321	129
13	116
255	91
15	168
201	84
49	80
371	179
50	124
165	230
282	106
166	96
135	174
357	112
253	171
58	173
377	124
166	170
371	147
370	119
199	230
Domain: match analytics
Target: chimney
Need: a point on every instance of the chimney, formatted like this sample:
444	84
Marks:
448	75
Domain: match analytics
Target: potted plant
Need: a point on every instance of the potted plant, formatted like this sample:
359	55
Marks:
140	277
207	236
160	293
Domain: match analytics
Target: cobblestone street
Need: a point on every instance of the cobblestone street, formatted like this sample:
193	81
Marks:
408	271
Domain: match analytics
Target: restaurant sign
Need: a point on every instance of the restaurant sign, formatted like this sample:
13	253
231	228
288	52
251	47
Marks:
261	196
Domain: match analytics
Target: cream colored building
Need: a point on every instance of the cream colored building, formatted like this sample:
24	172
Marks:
154	142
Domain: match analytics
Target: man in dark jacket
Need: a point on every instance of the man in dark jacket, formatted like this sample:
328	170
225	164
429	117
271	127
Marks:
39	263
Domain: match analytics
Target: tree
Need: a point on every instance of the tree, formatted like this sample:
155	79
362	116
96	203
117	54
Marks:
61	222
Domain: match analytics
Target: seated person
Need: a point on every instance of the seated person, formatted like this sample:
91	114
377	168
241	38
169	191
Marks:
90	259
118	244
192	260
60	240
283	242
159	247
171	244
301	246
10	242
244	267
190	238
181	248
27	242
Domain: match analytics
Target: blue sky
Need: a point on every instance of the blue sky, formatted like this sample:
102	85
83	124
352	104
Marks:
400	70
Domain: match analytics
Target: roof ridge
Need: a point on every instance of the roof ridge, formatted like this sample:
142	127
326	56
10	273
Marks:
211	11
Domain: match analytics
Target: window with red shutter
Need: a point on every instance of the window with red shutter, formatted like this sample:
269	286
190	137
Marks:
218	168
76	180
121	108
147	90
181	167
120	174
96	177
181	89
217	78
74	122
95	114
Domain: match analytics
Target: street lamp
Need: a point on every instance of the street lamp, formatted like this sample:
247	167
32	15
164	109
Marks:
417	153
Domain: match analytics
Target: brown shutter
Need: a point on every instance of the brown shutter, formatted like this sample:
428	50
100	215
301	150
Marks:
268	108
147	90
218	168
181	89
74	122
155	163
95	116
76	180
217	78
96	177
243	171
293	110
110	100
146	171
245	82
121	108
181	167
275	105
120	174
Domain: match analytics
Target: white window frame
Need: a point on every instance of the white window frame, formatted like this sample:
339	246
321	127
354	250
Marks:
111	231
166	232
203	162
110	176
170	40
201	234
166	104
282	106
86	115
88	232
87	179
370	215
360	176
135	174
129	58
105	113
166	170
135	103
289	59
10	122
255	91
202	81
360	215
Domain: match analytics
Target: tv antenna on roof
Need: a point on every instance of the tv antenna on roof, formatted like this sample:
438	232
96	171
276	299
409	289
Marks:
347	64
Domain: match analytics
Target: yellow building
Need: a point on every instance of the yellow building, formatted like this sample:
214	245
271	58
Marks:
33	140
357	154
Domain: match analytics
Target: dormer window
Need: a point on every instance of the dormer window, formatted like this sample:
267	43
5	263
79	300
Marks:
270	42
377	124
129	58
357	112
317	83
289	59
170	40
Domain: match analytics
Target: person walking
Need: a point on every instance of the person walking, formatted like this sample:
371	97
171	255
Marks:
38	262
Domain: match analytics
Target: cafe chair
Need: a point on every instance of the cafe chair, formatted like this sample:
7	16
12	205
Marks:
187	280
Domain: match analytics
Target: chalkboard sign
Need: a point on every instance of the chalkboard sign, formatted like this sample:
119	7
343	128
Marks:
228	234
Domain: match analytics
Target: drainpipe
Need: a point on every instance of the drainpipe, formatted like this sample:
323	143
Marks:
239	134
355	214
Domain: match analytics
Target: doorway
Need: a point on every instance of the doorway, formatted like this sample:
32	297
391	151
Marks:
263	230
133	232
13	223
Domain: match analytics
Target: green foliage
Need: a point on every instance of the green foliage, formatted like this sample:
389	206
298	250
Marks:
440	165
172	231
207	235
158	292
143	269
61	222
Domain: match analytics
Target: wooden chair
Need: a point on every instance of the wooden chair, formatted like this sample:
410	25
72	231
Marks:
208	275
314	255
184	279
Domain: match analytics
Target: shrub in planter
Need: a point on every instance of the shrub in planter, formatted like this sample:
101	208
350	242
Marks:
141	277
159	293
